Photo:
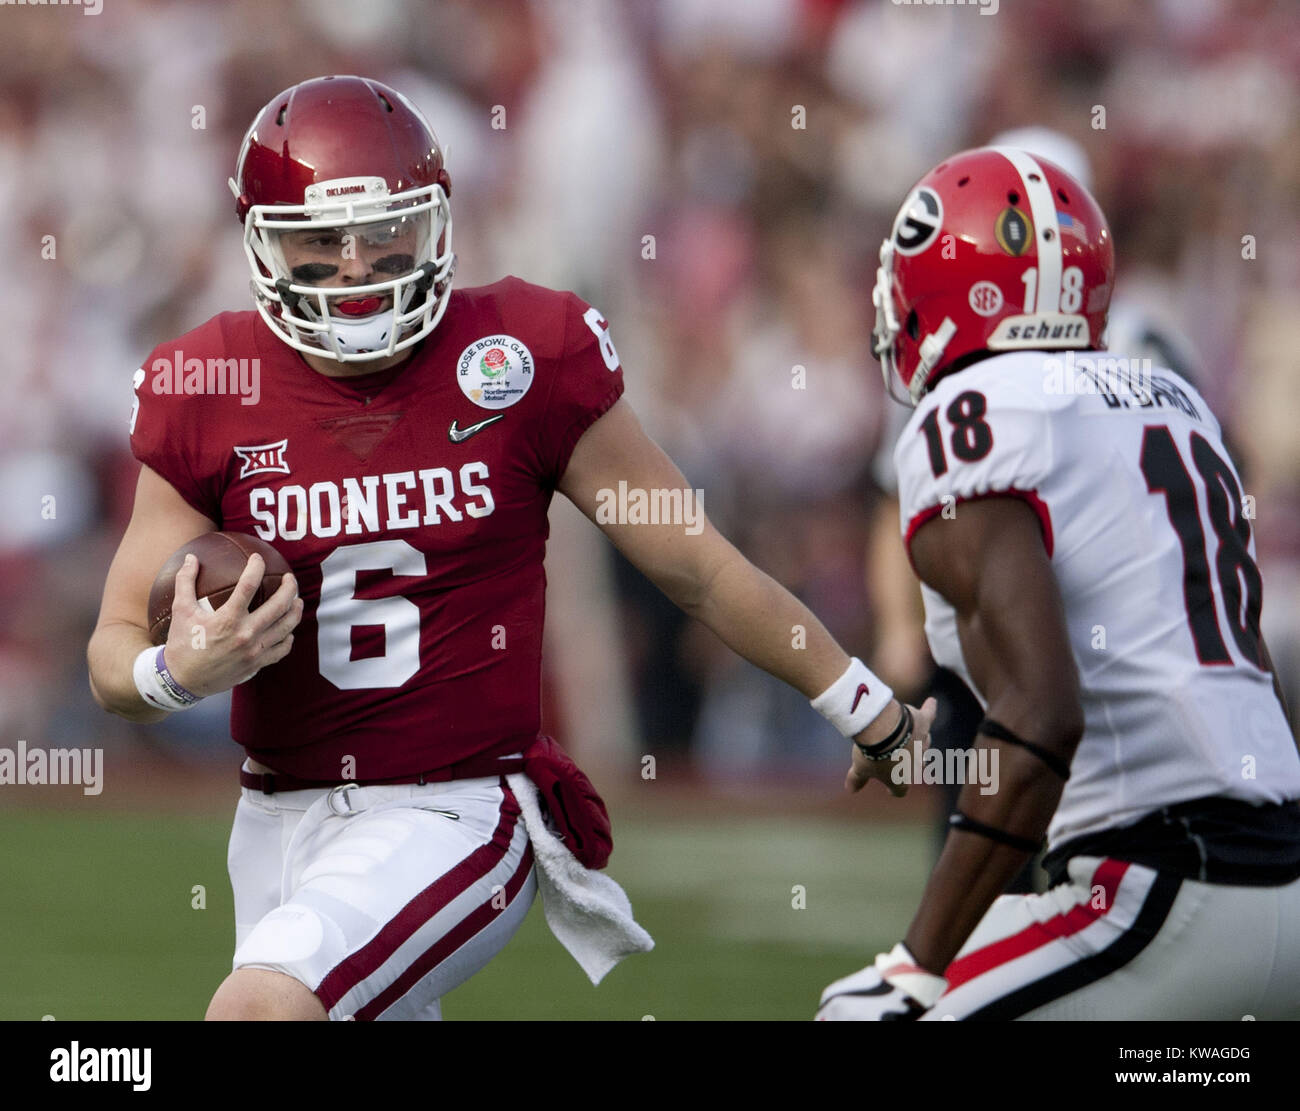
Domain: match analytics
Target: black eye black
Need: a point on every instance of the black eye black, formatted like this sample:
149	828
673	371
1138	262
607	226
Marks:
395	264
309	273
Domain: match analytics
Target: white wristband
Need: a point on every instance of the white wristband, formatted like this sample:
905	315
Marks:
854	700
157	685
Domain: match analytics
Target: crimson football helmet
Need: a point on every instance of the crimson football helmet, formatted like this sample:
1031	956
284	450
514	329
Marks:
993	250
345	174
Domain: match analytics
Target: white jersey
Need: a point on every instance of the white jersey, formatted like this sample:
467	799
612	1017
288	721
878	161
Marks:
1145	525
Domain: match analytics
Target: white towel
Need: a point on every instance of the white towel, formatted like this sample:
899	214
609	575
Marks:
587	911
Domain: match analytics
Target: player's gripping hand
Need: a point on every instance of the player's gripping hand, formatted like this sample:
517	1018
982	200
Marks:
235	644
894	989
864	768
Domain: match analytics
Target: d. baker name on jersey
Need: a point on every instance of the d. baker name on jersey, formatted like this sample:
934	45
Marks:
371	503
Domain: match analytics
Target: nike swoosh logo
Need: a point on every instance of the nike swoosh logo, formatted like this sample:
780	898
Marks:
862	689
460	435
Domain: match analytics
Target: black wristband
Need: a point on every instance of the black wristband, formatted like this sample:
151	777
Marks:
898	737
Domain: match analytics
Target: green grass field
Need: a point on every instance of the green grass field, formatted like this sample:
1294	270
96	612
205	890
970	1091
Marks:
98	919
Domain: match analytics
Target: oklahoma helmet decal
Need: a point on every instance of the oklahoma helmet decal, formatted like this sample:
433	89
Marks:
994	249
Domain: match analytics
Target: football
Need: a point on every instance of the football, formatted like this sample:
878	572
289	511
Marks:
222	557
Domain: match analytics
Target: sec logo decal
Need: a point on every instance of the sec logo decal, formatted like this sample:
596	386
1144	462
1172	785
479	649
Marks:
985	298
495	372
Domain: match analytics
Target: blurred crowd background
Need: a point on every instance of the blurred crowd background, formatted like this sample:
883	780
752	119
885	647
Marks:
677	120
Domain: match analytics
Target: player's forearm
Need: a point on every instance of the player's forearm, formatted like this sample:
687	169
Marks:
974	869
977	871
111	658
1033	695
763	622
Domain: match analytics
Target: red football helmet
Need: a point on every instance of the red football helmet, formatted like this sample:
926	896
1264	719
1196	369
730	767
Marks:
343	173
993	250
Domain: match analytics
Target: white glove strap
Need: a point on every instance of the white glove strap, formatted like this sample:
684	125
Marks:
854	700
899	968
156	685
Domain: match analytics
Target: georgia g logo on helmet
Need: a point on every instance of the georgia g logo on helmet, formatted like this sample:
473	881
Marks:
918	221
993	250
342	191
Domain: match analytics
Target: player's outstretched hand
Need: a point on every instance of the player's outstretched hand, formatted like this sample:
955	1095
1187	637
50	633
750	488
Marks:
209	651
864	768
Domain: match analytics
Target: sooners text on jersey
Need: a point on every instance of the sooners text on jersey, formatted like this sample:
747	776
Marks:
411	505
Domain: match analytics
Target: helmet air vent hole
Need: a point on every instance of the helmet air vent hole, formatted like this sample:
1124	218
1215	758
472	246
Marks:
1034	177
1013	197
963	181
279	117
1064	199
384	101
913	326
1048	234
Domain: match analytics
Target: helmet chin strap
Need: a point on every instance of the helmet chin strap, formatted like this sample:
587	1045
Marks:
931	351
357	336
349	336
886	327
371	334
353	337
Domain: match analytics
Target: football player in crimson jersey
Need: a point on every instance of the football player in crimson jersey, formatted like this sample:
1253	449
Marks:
1088	568
402	452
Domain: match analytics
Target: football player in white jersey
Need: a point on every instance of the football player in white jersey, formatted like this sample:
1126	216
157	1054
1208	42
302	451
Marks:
1088	567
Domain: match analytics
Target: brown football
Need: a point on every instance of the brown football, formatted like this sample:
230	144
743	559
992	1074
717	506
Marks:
222	557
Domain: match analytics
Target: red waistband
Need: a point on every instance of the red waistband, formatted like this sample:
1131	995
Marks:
474	768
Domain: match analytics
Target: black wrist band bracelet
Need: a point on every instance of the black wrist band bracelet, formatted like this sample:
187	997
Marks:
900	735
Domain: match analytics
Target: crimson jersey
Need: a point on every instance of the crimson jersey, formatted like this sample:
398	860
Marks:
411	505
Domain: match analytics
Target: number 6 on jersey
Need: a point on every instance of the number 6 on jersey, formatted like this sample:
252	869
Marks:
340	611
